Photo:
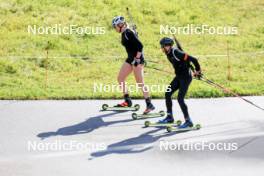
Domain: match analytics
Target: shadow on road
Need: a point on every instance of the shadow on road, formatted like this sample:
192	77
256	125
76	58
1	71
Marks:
134	145
143	142
84	127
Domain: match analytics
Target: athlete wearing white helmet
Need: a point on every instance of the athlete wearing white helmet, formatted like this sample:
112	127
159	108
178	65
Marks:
133	63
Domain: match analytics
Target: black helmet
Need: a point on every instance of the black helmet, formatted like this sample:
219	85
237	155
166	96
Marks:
166	41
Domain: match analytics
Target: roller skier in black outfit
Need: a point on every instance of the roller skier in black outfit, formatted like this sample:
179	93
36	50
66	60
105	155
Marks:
182	66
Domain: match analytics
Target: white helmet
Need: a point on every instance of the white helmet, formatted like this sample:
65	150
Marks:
118	20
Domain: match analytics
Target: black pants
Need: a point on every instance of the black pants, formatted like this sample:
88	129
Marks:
182	84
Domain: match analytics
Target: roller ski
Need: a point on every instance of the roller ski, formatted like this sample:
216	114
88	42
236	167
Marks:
168	121
125	106
187	126
136	116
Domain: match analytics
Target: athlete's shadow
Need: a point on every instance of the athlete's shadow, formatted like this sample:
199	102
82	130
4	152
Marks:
84	127
133	145
143	142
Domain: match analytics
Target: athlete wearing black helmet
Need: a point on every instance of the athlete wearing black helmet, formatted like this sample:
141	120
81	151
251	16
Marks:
134	62
182	66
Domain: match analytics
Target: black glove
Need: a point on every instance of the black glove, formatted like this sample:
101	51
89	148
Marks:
198	74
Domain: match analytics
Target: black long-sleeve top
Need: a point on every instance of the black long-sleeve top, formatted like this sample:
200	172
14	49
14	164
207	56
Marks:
131	42
182	62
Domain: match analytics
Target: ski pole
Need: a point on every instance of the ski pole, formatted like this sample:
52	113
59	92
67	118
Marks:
202	78
134	27
164	71
228	91
177	42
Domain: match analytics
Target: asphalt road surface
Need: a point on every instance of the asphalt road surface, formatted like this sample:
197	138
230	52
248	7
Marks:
66	138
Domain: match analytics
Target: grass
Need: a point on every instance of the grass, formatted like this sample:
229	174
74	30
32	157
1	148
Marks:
33	76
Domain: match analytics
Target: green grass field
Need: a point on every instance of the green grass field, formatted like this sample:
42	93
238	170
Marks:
76	62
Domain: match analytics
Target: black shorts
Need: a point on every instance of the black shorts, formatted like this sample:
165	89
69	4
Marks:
130	60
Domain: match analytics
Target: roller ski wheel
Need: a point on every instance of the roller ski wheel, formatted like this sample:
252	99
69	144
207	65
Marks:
198	126
137	107
162	113
169	129
104	107
134	116
147	123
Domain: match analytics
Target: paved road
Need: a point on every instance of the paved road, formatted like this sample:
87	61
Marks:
75	138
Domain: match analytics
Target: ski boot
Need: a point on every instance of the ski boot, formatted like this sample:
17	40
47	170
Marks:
186	124
126	103
168	119
150	107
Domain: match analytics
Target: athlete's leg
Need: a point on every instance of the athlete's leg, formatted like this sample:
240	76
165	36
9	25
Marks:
184	85
139	76
174	85
125	70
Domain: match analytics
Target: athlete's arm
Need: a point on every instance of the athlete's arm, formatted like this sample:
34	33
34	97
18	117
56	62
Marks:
185	57
135	42
195	63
